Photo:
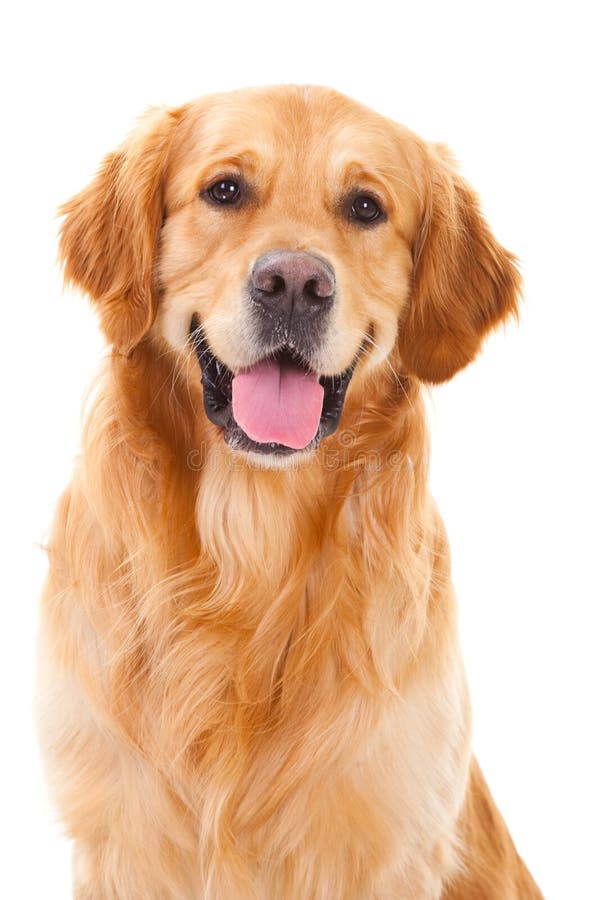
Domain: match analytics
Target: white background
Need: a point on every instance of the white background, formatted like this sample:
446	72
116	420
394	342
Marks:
511	87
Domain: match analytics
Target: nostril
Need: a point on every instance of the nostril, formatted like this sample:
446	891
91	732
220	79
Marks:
312	291
277	285
268	282
319	287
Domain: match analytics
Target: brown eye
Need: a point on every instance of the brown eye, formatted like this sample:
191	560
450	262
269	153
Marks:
225	192
365	209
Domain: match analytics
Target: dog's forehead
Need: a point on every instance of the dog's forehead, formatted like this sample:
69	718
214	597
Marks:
291	129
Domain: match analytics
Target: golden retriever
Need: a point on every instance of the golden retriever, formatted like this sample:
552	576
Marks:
250	678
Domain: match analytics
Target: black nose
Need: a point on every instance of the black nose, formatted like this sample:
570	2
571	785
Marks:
288	283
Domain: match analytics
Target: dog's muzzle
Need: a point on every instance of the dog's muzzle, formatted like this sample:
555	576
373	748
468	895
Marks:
280	405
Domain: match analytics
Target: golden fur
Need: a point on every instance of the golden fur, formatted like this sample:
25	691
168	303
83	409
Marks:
250	678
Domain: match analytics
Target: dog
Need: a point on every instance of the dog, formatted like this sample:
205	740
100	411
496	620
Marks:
251	686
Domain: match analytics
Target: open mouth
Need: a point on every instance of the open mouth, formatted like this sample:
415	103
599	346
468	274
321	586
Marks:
277	406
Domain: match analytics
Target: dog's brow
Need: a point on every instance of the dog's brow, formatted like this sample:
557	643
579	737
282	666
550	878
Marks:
225	158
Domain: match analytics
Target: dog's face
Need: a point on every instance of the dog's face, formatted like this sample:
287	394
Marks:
290	217
297	241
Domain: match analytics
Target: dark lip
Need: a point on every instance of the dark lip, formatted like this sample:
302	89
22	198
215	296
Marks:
216	386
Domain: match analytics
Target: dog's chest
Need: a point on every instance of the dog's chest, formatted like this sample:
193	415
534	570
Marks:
363	808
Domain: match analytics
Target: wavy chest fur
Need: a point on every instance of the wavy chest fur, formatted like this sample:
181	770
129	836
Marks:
326	715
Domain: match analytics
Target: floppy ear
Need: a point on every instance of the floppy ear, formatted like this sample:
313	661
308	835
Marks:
464	281
110	232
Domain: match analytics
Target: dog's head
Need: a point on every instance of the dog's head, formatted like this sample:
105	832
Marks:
295	241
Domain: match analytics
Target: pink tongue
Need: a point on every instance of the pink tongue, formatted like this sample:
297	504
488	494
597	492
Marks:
278	403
